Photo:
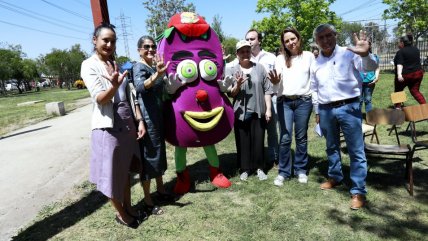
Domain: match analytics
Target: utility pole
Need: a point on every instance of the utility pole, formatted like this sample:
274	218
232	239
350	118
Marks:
100	12
123	26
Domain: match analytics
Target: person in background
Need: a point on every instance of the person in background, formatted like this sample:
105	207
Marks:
315	50
267	60
370	78
336	86
408	69
251	94
113	139
291	82
147	75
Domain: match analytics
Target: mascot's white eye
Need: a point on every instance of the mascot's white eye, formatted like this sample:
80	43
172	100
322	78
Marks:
187	70
208	69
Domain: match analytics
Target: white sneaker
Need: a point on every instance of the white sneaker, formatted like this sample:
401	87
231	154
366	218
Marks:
244	176
302	178
262	176
279	181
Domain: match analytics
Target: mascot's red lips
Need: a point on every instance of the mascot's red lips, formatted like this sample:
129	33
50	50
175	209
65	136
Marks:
198	119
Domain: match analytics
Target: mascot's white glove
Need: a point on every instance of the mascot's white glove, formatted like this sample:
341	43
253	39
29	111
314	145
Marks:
226	83
172	83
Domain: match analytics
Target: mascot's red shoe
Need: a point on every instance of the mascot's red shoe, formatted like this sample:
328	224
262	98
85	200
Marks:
183	182
218	179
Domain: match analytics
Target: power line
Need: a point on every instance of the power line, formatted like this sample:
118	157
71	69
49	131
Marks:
362	6
82	3
68	11
42	31
125	34
38	18
38	14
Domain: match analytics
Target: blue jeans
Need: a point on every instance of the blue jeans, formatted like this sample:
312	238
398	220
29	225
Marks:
366	96
272	134
348	118
293	112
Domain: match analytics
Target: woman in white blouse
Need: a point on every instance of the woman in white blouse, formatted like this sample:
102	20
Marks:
291	82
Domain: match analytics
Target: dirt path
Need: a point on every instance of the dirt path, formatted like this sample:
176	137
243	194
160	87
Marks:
40	164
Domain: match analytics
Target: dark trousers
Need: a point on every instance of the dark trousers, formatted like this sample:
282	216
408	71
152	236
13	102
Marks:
249	138
413	81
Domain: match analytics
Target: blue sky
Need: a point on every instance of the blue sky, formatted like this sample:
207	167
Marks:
40	25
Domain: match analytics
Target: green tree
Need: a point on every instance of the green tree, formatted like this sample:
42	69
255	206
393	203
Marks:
30	72
216	26
411	13
304	15
160	11
6	69
346	30
229	45
64	64
120	60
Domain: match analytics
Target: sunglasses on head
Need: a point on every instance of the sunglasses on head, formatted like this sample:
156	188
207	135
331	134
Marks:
149	46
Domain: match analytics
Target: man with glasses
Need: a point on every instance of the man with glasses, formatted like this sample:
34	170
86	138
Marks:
336	86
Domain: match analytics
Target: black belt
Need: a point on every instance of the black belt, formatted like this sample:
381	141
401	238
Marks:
339	103
291	97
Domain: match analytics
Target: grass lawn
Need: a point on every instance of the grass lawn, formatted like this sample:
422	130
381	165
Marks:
13	116
258	210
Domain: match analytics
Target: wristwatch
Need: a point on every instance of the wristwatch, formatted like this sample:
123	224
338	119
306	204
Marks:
140	119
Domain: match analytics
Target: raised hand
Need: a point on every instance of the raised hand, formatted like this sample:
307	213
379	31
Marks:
274	77
172	83
225	83
114	76
240	78
160	64
361	44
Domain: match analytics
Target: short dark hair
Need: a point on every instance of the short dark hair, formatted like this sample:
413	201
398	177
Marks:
259	35
321	28
407	39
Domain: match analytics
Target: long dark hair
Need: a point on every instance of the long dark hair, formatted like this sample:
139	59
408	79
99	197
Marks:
285	51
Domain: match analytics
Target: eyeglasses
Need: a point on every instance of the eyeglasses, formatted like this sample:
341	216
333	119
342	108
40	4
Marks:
250	39
149	46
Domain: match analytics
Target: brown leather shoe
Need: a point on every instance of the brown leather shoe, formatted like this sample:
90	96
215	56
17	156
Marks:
358	201
329	184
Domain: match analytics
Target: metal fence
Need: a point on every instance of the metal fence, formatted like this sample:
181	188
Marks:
386	52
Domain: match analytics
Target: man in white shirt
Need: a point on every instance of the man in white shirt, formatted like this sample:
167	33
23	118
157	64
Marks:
268	61
336	86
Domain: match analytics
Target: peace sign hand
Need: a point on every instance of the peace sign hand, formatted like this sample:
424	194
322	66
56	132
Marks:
114	76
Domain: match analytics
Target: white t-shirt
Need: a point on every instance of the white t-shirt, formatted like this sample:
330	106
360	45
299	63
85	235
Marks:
296	79
266	59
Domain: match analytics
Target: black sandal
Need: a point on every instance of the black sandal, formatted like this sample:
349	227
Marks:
141	215
153	209
165	197
134	224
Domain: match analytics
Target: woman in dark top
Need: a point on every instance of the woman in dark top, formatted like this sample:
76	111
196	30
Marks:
408	69
149	85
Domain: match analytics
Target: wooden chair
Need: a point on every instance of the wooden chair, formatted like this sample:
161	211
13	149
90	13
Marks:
390	117
367	130
397	98
414	114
